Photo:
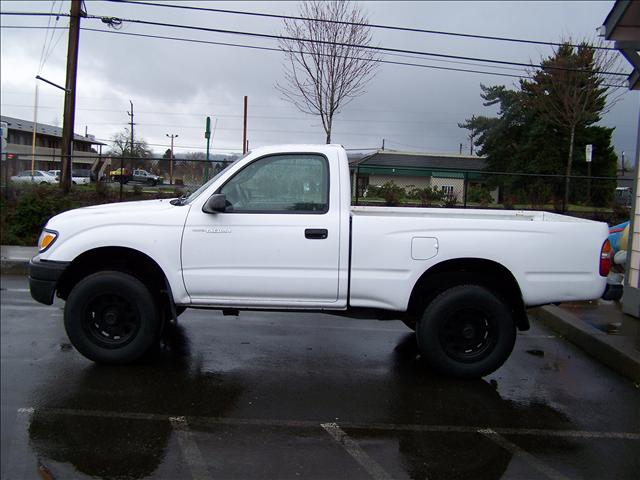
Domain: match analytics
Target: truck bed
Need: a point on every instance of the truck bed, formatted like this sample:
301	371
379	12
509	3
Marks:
554	258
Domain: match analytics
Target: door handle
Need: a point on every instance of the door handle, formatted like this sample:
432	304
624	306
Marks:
316	233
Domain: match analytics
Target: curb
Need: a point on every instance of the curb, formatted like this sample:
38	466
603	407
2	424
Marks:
14	267
605	348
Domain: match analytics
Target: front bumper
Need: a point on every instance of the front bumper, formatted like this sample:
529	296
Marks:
43	278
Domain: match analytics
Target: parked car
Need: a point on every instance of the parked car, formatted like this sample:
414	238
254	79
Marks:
120	175
81	176
35	176
145	177
276	231
77	176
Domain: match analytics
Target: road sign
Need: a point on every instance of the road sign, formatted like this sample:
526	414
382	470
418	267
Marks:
589	153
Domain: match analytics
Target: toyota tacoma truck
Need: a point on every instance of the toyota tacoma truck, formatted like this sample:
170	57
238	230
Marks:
276	231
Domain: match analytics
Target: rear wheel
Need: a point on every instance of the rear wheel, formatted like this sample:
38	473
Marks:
466	332
111	317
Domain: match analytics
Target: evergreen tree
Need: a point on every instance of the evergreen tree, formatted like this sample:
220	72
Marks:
568	93
541	126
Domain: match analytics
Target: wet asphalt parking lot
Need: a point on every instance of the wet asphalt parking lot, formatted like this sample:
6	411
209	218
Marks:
279	396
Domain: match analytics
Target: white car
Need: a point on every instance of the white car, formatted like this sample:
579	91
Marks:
276	231
76	178
35	176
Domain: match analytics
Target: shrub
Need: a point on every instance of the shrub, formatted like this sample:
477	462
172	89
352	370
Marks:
479	195
426	195
508	201
33	206
393	194
26	209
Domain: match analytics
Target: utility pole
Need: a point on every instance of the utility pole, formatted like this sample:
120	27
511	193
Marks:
35	128
172	136
244	130
383	144
131	124
70	94
207	135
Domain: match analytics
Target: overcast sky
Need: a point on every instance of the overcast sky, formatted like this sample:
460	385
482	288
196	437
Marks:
175	85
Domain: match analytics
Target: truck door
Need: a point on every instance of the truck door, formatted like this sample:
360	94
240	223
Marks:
278	241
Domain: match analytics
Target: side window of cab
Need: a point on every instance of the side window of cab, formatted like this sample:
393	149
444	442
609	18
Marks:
286	183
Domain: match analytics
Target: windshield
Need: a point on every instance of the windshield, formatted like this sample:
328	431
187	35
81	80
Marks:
199	191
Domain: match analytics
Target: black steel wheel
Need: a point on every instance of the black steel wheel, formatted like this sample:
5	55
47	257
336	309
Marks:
111	317
111	320
466	332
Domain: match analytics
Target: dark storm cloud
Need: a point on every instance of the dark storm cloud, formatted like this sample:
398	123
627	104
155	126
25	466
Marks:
175	85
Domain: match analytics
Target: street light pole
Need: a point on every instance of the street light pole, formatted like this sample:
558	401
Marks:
172	136
35	123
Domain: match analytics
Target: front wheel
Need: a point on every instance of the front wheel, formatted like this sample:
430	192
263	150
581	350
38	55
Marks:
111	317
466	332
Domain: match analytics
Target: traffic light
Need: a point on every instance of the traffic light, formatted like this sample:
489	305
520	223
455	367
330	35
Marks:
12	156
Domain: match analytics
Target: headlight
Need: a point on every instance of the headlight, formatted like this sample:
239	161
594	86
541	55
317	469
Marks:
47	238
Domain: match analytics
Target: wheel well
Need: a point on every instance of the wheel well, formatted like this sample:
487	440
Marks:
121	259
486	273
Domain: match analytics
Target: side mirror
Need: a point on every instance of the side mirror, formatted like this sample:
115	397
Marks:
216	203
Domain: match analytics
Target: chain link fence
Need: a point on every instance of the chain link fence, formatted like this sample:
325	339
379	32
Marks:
124	178
153	175
601	198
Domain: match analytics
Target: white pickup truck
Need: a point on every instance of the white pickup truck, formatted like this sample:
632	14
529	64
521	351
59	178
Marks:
276	231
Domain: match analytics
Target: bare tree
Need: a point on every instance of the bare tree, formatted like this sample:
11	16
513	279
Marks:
121	146
192	168
571	90
328	64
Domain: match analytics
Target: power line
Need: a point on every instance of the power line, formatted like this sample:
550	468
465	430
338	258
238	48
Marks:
260	117
272	49
342	44
46	39
372	25
255	47
108	20
111	99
